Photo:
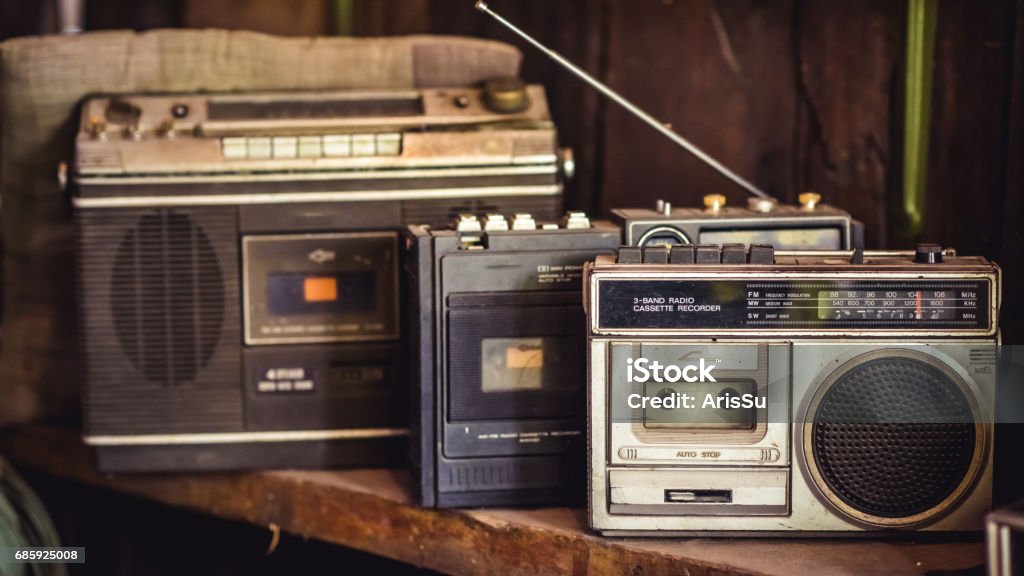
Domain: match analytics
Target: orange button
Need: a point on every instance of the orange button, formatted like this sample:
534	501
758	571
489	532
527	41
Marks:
321	289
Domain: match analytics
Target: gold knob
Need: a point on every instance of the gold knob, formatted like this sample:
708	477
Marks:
506	95
714	202
808	200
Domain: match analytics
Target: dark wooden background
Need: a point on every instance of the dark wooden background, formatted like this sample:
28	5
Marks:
795	95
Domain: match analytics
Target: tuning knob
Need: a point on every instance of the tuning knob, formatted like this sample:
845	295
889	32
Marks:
809	200
505	95
714	202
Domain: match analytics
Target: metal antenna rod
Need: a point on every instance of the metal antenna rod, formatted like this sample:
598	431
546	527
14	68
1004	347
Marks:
629	106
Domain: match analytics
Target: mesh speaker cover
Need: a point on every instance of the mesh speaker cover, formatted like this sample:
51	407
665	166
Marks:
893	437
167	297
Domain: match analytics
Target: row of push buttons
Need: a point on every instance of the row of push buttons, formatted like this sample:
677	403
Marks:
700	254
335	145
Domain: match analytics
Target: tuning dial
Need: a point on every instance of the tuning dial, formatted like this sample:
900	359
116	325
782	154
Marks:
505	95
714	202
762	205
809	200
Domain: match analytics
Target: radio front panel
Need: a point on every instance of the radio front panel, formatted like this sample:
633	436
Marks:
814	304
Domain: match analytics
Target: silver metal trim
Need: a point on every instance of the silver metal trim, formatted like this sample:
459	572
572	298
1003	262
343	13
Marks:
842	221
296	197
246	299
241	437
543	166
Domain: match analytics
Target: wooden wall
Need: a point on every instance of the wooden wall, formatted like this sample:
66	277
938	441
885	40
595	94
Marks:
795	95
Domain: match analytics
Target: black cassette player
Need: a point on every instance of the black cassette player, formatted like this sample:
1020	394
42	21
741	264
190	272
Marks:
498	353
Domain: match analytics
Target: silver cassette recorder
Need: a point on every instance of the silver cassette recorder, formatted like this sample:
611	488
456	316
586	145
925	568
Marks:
742	390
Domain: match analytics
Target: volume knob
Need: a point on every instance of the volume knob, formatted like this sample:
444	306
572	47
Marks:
505	95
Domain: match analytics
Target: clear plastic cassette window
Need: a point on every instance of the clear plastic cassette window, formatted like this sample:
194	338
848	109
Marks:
712	405
524	364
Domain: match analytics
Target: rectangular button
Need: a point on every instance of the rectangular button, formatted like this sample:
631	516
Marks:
364	145
338	145
389	144
259	148
234	148
310	147
286	147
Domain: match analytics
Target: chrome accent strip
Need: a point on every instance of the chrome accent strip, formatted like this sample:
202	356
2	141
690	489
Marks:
242	437
296	197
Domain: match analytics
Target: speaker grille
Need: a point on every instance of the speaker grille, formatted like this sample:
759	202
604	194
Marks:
159	317
893	437
167	298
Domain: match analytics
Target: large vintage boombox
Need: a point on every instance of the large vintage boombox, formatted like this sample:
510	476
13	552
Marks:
239	256
811	391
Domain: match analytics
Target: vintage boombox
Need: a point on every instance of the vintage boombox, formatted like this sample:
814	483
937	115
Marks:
238	270
751	391
807	226
499	355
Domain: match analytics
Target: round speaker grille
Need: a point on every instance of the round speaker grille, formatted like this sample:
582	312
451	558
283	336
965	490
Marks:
167	297
893	437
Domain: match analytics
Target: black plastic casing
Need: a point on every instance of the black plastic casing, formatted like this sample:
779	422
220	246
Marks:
520	283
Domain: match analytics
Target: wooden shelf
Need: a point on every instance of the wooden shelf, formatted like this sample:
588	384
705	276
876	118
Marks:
370	510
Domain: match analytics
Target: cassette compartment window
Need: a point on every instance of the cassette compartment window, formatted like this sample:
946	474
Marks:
311	288
515	362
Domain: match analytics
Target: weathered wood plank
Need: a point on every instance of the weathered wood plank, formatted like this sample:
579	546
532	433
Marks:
370	510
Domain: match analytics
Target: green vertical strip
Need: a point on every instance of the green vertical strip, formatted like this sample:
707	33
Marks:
921	21
345	17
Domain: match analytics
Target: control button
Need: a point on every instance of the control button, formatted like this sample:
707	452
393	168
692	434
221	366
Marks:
549	226
310	147
663	208
167	130
461	101
389	144
734	254
338	145
928	254
505	95
134	132
762	205
809	200
180	111
576	221
524	221
364	145
656	255
467	223
630	255
682	254
286	147
714	202
97	129
762	254
234	148
567	159
303	385
260	148
495	222
709	254
266	386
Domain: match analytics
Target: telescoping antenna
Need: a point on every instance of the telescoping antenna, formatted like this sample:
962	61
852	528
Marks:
629	106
